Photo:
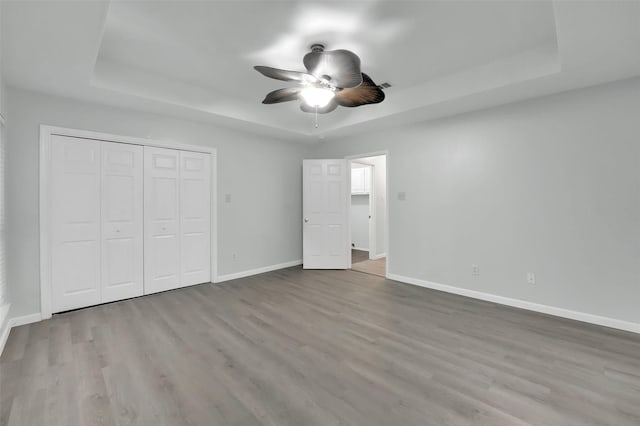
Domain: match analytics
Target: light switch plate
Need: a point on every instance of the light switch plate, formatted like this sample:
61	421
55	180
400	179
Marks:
475	269
531	278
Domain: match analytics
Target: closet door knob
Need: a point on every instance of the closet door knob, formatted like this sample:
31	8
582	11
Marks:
306	220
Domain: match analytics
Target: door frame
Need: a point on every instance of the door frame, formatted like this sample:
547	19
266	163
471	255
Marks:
46	132
372	219
355	157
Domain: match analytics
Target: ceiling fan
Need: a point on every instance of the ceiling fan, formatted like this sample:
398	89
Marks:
333	79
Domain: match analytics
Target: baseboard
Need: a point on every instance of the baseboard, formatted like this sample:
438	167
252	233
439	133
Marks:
522	304
378	256
4	325
25	319
16	322
250	272
359	248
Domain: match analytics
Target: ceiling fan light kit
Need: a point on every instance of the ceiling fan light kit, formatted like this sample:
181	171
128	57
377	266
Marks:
317	97
333	79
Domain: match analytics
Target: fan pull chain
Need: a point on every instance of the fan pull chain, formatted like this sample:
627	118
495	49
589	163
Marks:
316	116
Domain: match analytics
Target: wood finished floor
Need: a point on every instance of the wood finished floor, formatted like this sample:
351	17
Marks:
374	267
297	347
360	262
358	256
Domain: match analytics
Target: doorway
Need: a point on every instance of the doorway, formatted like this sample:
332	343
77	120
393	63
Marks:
368	214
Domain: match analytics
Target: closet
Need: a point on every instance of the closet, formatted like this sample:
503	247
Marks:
125	220
177	231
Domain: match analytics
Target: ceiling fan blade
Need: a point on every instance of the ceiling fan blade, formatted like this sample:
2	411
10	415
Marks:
328	108
285	75
367	93
282	95
341	68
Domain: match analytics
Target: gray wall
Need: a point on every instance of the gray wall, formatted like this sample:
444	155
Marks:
360	221
4	293
550	186
261	224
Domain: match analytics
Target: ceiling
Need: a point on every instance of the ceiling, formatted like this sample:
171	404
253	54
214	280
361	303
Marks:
195	59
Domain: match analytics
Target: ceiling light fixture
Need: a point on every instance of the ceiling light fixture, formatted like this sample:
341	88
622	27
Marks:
333	78
317	97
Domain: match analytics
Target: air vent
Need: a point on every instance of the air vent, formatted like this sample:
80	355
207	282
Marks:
384	85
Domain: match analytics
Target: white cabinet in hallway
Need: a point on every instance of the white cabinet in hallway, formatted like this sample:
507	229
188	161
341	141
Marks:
360	179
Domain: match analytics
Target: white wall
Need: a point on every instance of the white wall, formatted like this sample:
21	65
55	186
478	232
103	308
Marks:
550	186
2	85
360	221
4	292
379	163
261	224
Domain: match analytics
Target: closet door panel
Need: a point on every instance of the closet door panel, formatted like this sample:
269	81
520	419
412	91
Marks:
75	223
162	264
195	217
122	221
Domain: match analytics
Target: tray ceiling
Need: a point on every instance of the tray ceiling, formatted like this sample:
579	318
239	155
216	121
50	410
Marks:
195	59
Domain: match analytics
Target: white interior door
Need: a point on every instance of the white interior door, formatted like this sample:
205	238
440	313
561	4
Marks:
75	223
162	267
195	218
122	221
326	197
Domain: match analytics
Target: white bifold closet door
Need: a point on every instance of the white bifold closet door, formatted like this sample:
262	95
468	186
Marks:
96	222
122	221
162	220
195	218
177	219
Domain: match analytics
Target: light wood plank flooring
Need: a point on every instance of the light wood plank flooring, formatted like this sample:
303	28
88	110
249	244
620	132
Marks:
360	262
374	267
297	347
358	256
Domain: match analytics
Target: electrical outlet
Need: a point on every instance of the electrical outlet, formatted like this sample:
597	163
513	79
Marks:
234	256
531	278
475	269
